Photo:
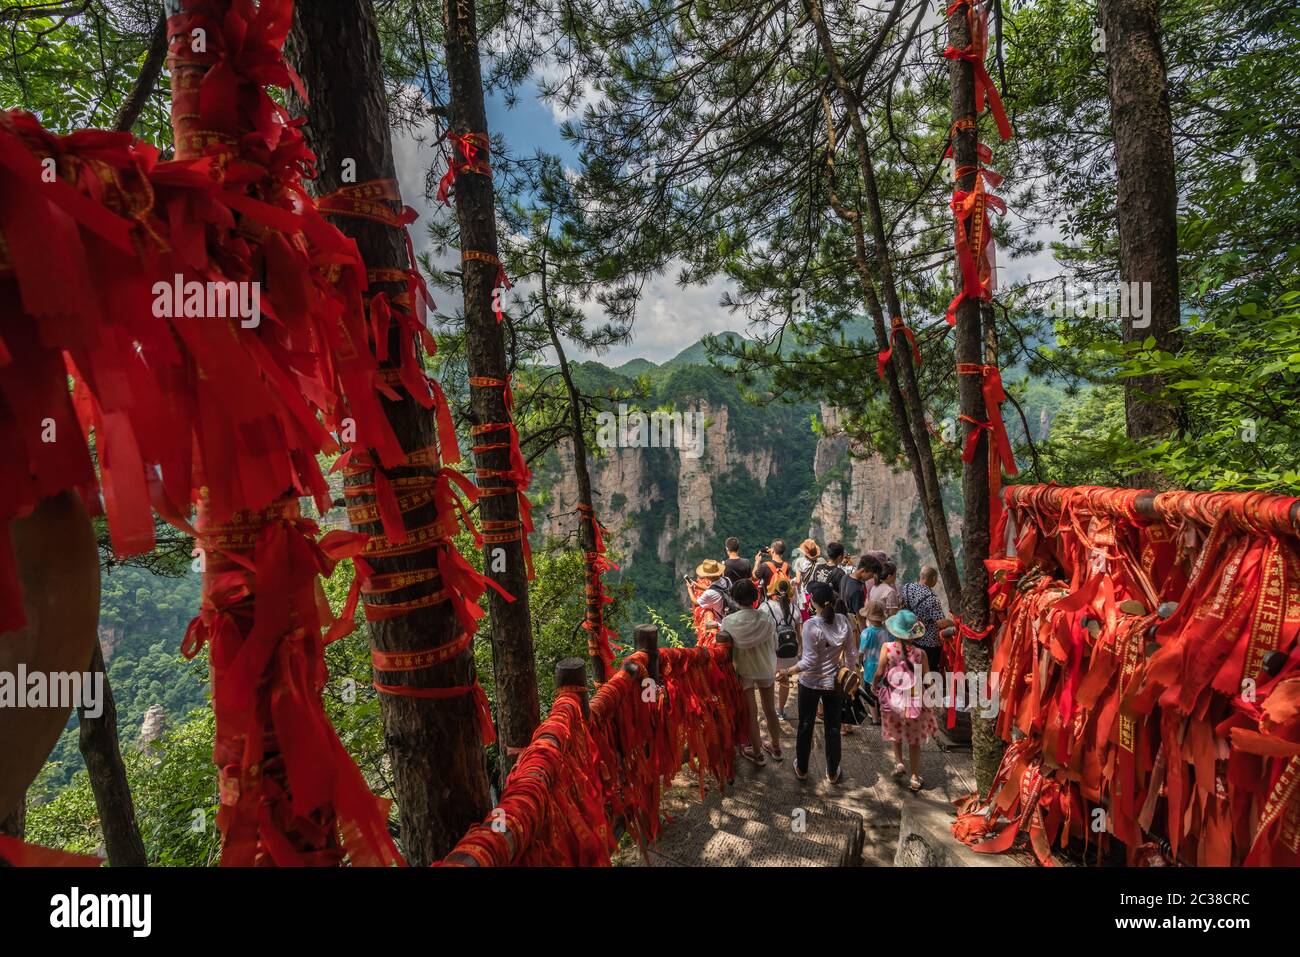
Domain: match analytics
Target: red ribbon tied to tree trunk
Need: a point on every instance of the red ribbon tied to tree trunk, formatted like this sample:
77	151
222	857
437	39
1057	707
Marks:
977	16
1001	455
883	357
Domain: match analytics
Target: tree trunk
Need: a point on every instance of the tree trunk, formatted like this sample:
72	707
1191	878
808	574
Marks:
439	770
595	617
1147	197
514	668
905	393
97	738
986	747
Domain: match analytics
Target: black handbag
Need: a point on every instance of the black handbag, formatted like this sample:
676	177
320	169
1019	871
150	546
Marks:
855	708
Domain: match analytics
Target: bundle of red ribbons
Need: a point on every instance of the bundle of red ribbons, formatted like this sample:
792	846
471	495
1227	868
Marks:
229	413
580	776
1149	666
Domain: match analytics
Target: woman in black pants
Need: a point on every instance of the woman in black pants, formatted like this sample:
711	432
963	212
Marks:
826	636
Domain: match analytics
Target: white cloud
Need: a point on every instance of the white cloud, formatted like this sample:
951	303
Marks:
670	318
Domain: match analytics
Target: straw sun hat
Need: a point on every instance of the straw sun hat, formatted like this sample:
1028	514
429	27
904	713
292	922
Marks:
710	568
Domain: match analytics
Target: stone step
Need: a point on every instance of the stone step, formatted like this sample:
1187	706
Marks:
729	832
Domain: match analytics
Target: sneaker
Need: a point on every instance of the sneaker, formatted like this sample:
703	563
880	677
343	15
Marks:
780	713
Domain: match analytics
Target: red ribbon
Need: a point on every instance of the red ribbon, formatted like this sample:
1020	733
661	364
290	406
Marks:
1001	455
977	16
882	358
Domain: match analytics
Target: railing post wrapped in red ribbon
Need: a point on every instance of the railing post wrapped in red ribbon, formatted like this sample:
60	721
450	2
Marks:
1149	665
583	774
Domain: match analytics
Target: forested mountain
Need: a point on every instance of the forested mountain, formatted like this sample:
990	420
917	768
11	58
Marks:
767	469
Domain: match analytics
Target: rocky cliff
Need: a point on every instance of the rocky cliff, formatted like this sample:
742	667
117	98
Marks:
763	473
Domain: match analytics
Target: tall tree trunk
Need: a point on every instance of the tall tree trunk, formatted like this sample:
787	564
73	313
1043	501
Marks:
986	747
901	370
1147	198
514	668
439	769
595	616
100	749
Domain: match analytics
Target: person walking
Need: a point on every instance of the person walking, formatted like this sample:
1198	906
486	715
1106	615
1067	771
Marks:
826	635
753	637
789	628
900	675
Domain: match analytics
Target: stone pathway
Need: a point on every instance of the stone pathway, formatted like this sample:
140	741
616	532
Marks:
769	818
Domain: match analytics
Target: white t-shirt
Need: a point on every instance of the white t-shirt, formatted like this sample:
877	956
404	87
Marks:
753	636
826	649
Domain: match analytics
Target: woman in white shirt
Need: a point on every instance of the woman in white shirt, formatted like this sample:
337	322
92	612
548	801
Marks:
826	636
753	638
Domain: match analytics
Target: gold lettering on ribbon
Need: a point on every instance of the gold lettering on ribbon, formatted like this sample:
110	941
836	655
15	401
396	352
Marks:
1131	655
1266	623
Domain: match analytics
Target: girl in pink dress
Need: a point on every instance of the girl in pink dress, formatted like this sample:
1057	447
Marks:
904	716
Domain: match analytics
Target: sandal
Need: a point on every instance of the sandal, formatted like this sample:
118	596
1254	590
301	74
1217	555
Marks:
899	768
835	780
916	783
801	775
757	759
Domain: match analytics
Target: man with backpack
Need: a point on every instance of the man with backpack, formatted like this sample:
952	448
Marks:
830	573
770	565
712	594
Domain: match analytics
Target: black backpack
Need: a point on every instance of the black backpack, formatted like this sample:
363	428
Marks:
724	590
787	640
